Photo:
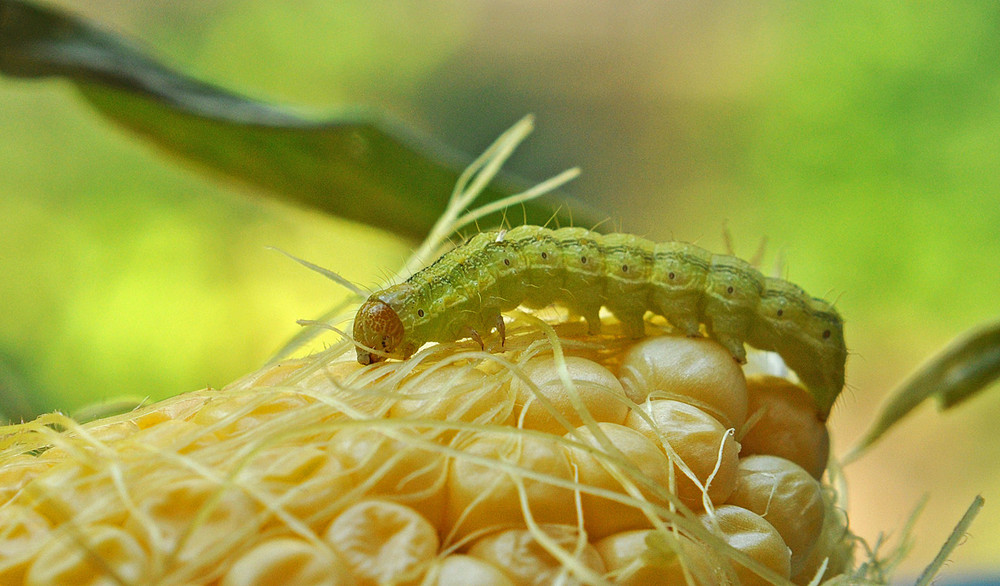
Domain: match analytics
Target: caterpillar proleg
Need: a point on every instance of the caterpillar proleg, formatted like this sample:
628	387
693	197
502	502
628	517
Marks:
464	292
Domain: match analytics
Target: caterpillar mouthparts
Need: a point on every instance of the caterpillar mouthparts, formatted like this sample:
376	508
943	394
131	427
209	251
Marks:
465	290
377	326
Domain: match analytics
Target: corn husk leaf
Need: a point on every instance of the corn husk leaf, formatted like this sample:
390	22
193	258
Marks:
966	367
356	164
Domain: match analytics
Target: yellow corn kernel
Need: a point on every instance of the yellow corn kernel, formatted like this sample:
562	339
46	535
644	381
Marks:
179	407
454	393
392	468
596	388
784	422
176	435
298	481
288	561
649	477
697	442
191	521
486	495
22	533
18	472
672	559
784	494
68	490
383	542
697	371
108	555
237	413
464	570
529	562
749	533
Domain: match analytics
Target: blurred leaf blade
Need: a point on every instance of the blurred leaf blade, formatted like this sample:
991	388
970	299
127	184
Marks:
356	165
16	391
966	367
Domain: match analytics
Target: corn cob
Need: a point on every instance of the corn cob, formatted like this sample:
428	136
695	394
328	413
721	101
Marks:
590	459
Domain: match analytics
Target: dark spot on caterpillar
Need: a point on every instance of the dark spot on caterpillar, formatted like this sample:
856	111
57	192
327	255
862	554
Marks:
826	334
729	290
781	312
506	261
545	255
583	260
671	276
624	268
420	313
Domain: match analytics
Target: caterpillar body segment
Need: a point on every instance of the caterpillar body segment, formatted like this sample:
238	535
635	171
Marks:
465	291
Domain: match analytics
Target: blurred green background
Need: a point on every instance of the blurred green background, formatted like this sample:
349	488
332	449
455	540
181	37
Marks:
862	140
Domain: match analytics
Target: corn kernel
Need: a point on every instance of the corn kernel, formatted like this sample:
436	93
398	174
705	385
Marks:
169	505
483	496
784	494
697	371
674	559
784	423
749	533
288	561
698	441
383	542
65	560
22	533
834	546
463	570
299	481
454	393
529	563
597	390
602	516
393	468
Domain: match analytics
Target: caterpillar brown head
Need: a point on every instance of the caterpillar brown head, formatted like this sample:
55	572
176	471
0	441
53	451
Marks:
377	326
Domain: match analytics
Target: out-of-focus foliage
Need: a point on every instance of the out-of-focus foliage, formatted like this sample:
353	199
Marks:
963	370
861	139
355	165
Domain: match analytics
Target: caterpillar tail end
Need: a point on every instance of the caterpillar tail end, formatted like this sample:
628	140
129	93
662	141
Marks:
824	383
825	397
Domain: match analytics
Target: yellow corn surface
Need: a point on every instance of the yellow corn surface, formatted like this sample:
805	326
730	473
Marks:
565	458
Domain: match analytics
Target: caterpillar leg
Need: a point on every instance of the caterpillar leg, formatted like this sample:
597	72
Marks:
501	330
686	324
633	323
475	336
735	347
593	319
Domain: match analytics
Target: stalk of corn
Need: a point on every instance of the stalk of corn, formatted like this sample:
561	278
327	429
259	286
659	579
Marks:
566	458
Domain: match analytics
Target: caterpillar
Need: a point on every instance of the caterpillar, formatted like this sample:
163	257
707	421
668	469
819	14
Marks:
465	290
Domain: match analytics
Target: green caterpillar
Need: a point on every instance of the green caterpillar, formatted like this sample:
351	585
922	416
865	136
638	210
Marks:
464	292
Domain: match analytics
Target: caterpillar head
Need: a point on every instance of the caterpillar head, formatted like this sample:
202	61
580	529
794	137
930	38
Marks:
377	326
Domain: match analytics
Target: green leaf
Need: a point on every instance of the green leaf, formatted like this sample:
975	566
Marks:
963	369
357	165
16	391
